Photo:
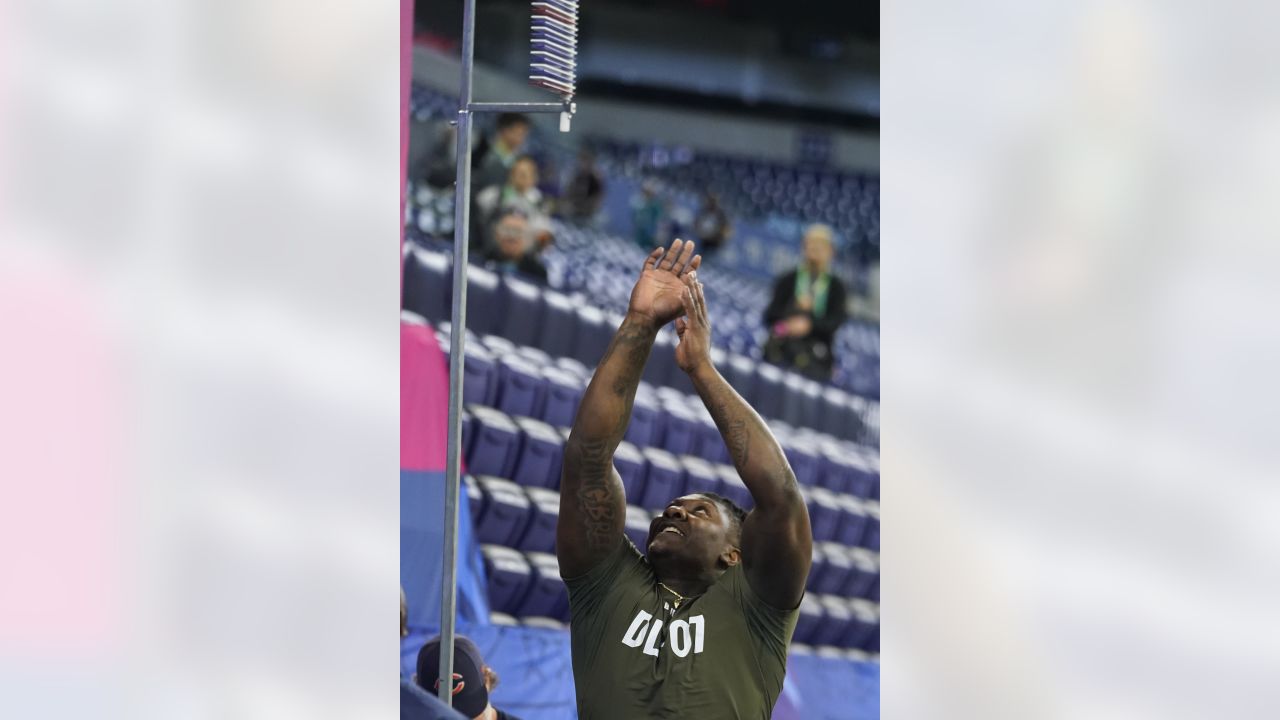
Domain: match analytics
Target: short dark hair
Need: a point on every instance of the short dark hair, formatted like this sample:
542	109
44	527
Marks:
737	515
509	119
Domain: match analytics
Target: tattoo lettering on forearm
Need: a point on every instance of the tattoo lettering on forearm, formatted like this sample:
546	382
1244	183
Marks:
596	499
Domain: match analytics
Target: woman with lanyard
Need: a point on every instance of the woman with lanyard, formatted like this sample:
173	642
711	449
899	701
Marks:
808	307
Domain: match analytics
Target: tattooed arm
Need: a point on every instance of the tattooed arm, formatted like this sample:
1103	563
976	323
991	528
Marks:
776	539
592	499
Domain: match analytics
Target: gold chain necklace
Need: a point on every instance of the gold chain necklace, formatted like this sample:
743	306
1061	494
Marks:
679	598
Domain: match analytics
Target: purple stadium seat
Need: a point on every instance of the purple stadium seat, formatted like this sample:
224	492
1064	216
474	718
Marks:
426	283
664	480
564	392
495	444
475	498
817	568
769	389
509	577
871	539
864	633
700	475
732	487
592	336
838	571
824	512
507	511
793	398
484	300
559	323
540	534
853	520
479	384
803	457
629	462
837	621
833	412
866	569
547	595
682	429
537	356
835	470
541	452
811	616
647	421
468	430
861	479
520	386
872	461
638	526
708	444
740	372
522	320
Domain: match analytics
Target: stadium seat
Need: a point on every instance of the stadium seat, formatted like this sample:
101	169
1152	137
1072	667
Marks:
468	430
591	336
793	399
540	532
475	498
506	514
541	452
479	373
661	368
521	386
824	512
740	372
559	325
708	444
484	300
547	595
700	475
811	616
769	389
664	480
522	320
866	570
853	520
563	393
839	569
872	462
835	470
495	445
629	462
427	284
509	577
637	527
817	568
498	346
837	621
871	539
501	618
800	649
682	428
864	632
833	412
803	457
647	422
732	487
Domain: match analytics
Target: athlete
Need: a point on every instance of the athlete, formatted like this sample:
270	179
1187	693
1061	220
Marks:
698	626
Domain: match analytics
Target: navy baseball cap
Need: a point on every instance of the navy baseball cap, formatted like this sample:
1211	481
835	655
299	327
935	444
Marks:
470	696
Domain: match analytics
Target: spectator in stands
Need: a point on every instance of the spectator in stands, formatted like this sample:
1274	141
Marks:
807	309
698	626
494	155
513	250
648	211
520	194
711	225
415	703
472	679
585	191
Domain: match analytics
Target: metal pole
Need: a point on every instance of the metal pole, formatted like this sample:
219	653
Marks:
528	107
457	348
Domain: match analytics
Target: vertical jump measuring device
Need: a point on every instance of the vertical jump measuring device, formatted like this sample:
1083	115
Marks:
552	66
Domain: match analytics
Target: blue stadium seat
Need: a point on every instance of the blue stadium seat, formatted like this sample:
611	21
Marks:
810	404
521	386
768	396
732	487
871	538
793	399
537	356
427	283
564	392
498	346
833	412
541	452
837	621
647	422
862	481
853	520
559	324
817	568
681	429
664	480
591	336
479	375
700	475
803	457
468	430
540	533
866	570
835	470
708	444
839	569
507	511
824	512
864	633
475	498
637	527
811	616
872	462
509	577
661	368
484	300
495	445
629	462
522	320
547	595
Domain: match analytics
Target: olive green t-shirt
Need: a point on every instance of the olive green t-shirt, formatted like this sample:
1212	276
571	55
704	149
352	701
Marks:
722	654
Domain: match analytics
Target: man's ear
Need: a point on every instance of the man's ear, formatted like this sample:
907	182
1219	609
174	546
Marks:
730	557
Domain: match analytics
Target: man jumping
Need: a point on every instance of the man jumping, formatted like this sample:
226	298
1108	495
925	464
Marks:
699	627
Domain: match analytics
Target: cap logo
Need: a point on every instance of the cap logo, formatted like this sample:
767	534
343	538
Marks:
458	684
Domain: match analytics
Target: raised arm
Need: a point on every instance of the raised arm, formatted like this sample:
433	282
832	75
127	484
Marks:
592	500
776	539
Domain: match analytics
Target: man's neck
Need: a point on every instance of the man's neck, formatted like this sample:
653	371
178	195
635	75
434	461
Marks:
686	584
489	713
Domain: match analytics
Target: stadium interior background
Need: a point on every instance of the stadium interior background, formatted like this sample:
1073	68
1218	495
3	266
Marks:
774	108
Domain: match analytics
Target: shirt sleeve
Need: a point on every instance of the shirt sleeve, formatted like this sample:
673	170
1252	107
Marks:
623	567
